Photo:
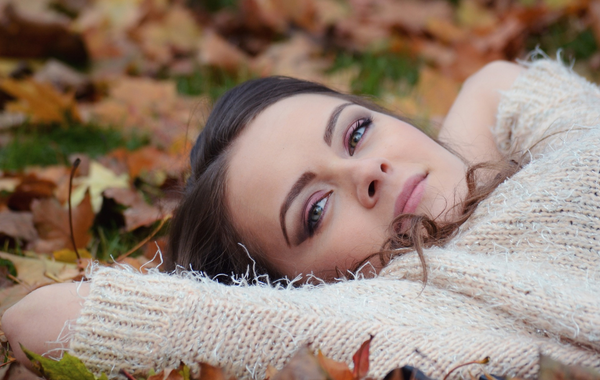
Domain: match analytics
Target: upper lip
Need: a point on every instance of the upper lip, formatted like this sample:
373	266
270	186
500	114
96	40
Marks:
407	190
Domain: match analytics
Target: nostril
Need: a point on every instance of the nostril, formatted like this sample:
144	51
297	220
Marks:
372	189
384	168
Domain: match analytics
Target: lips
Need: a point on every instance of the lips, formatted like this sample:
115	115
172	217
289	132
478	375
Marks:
411	195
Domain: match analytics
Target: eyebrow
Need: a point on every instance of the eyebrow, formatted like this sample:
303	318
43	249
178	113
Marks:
293	194
331	123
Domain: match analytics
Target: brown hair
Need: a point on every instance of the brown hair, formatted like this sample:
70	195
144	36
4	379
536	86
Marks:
202	236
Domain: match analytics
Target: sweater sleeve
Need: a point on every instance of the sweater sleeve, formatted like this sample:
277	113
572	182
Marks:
546	99
137	322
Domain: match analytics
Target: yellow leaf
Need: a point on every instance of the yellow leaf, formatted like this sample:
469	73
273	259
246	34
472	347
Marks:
99	179
40	101
67	255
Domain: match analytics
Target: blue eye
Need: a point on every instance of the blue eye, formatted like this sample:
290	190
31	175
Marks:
356	132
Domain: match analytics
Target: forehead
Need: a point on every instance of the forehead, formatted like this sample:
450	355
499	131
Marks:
272	151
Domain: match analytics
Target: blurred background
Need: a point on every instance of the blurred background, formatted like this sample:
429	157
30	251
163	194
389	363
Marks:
125	86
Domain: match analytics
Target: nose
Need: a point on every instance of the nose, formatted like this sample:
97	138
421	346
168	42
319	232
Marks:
364	178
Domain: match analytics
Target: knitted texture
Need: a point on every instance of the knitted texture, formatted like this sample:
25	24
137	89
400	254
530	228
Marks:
521	277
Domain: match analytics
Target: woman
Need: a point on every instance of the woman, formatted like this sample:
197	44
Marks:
309	184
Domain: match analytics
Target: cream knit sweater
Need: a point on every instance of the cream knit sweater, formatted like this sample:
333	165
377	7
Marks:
522	277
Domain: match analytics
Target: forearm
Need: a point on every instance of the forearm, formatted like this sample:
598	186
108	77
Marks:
37	321
467	127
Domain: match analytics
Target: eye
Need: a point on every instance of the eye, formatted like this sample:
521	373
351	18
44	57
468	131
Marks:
355	133
315	214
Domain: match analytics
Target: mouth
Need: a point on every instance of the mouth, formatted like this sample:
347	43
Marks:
409	198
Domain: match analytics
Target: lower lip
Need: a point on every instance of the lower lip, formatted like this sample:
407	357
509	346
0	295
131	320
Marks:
408	203
415	198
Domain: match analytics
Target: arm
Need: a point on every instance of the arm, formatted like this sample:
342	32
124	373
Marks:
467	127
40	317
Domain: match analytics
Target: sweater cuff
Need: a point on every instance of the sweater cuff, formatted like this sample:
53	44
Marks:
131	320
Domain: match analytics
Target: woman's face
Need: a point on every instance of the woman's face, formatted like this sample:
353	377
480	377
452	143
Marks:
316	181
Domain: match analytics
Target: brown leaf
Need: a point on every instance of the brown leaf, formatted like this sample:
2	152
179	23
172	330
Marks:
361	360
18	225
29	189
303	365
217	51
553	370
139	213
52	223
27	33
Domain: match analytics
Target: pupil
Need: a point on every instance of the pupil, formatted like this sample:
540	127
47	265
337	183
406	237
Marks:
316	213
356	137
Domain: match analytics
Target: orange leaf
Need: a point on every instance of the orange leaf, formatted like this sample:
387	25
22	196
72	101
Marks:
336	370
361	360
40	101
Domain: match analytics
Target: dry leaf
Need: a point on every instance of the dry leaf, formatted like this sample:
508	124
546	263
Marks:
216	51
29	189
553	370
98	180
18	225
40	101
361	360
52	223
337	370
303	365
138	212
67	255
436	91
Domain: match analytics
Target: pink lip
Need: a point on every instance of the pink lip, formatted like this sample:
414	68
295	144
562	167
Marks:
411	195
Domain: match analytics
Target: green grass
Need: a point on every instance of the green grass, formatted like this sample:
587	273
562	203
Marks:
213	5
566	34
379	71
210	81
52	144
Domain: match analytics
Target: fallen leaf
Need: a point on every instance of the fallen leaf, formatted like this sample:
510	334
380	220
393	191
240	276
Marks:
337	370
361	360
18	225
67	368
217	51
52	223
302	365
436	91
30	188
553	370
40	101
32	274
28	30
67	255
98	180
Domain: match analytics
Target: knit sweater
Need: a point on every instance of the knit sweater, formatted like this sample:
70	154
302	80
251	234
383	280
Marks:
522	276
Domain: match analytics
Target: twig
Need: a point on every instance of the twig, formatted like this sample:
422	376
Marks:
126	374
482	361
147	239
11	360
73	169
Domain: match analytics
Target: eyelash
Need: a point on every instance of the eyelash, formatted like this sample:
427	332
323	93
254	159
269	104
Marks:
310	226
360	123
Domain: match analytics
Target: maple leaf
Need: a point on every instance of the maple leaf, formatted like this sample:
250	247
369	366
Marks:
40	101
68	368
99	179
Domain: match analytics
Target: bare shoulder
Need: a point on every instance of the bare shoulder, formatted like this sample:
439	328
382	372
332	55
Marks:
467	127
